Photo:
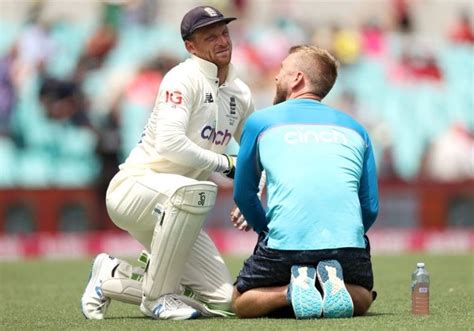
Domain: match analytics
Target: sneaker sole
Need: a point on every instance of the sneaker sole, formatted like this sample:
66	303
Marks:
192	315
96	265
337	301
146	312
305	298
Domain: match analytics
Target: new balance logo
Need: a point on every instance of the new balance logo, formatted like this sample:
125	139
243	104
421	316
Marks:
208	98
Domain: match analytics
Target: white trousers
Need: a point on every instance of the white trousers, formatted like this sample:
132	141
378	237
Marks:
131	199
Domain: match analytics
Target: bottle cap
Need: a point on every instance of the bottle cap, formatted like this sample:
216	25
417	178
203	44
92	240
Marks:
420	264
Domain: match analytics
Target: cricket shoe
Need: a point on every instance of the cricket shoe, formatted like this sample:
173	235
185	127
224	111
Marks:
168	307
302	293
94	303
337	301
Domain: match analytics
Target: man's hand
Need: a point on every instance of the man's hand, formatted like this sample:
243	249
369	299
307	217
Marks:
238	220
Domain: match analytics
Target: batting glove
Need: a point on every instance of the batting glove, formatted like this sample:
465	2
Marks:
232	162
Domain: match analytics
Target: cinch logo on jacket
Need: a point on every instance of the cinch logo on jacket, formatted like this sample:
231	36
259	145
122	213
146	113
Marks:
298	136
216	137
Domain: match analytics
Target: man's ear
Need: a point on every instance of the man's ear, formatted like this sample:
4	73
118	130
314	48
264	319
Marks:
298	80
189	46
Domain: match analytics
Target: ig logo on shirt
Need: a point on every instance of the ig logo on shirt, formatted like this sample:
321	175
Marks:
175	97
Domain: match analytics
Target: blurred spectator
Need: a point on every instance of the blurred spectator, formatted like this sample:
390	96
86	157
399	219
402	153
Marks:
99	45
372	39
425	68
112	13
451	155
7	90
462	31
271	42
143	87
35	45
109	149
413	68
122	88
105	37
63	101
402	16
346	45
140	12
240	7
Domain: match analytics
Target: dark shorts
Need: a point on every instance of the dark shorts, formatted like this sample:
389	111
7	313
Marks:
269	267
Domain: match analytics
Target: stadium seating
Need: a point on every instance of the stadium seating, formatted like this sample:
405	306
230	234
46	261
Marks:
10	31
7	162
52	153
69	40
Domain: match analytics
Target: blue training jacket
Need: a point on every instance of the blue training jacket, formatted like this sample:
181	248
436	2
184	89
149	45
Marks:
321	176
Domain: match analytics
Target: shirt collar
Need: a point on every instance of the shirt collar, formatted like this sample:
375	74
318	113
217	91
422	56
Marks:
209	69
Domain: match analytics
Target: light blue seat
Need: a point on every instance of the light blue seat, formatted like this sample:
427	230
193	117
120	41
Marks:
29	120
129	50
72	172
138	44
408	139
7	162
432	116
457	64
76	163
34	168
93	85
69	40
10	30
76	142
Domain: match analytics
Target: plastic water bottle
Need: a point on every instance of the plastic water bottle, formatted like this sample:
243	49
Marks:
420	290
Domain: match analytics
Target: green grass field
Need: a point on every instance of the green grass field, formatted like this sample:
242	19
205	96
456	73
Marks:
45	295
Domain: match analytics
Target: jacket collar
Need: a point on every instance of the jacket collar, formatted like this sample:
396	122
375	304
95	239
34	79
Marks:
209	69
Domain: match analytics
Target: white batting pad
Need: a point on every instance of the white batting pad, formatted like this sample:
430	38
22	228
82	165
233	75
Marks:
175	234
123	289
125	285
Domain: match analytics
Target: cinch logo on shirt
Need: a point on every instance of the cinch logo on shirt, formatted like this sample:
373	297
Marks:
298	136
216	137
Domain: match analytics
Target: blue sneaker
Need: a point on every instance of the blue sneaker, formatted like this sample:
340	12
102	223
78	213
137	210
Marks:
302	293
337	301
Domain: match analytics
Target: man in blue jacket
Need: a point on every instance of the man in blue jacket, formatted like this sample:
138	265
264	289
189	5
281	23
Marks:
322	198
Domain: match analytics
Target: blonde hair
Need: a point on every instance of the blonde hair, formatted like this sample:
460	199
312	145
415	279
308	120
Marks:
318	65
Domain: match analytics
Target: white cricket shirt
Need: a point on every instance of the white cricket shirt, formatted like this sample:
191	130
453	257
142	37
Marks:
192	121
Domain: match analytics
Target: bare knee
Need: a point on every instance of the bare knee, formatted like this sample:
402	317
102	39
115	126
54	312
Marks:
240	305
259	302
361	297
237	306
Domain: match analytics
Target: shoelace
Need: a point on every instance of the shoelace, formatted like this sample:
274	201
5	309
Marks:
171	302
101	299
102	305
